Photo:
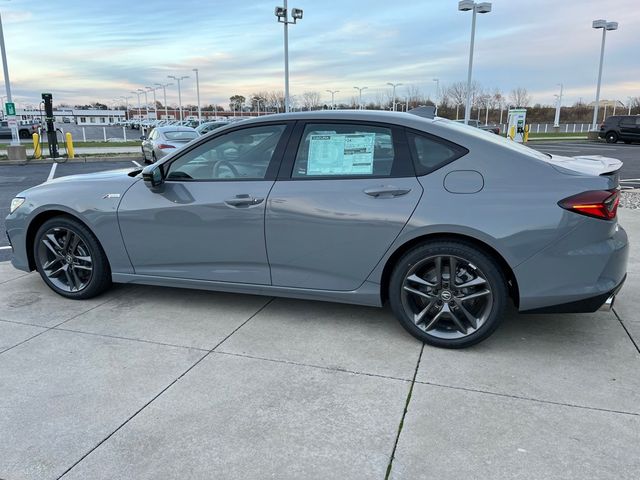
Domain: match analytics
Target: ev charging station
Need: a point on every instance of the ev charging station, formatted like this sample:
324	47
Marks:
52	136
517	124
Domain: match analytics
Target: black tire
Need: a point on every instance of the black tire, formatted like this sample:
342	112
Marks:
95	282
24	134
144	157
494	302
153	157
611	137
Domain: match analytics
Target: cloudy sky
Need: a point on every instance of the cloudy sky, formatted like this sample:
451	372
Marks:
88	50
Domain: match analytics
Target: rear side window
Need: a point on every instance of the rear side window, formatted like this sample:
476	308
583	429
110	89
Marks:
431	153
628	121
180	135
344	150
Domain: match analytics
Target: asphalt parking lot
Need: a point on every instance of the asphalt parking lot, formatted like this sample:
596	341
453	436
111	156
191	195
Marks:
147	383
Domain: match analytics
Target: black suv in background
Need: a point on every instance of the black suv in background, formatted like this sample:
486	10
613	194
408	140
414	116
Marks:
621	127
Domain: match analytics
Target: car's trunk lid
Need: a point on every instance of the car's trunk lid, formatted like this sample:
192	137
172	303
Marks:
585	164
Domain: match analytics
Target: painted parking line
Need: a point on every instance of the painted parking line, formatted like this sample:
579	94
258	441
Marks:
5	248
136	163
54	166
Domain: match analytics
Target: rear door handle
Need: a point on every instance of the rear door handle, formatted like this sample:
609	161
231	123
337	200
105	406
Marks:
243	200
386	191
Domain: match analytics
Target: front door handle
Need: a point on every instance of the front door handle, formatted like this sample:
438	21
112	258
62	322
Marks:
386	191
243	200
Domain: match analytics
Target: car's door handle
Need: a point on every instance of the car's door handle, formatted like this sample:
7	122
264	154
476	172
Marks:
386	191
243	200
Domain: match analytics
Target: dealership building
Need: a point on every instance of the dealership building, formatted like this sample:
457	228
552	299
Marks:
77	116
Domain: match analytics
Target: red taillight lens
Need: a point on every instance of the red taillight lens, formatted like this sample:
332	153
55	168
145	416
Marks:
164	145
594	203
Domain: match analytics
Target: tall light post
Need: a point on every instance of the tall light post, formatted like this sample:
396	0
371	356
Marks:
556	121
283	17
178	80
126	108
7	83
604	25
393	85
333	92
464	6
146	103
360	89
139	111
629	100
155	105
164	93
198	94
437	80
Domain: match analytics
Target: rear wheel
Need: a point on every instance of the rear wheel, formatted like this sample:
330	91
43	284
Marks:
70	259
448	294
24	134
153	157
611	137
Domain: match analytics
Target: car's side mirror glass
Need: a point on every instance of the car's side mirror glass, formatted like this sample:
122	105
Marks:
152	176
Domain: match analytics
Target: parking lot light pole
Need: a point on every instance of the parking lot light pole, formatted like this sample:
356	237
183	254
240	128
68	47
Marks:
629	100
198	94
178	80
164	93
7	83
464	6
282	14
139	110
146	103
604	25
437	80
360	89
394	85
155	105
333	92
556	121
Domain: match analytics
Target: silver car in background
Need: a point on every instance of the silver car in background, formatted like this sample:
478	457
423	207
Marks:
162	140
443	221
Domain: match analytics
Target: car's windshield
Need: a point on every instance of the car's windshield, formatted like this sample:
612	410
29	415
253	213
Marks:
493	138
179	135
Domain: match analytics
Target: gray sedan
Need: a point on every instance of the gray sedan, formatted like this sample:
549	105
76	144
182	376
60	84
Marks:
162	140
442	221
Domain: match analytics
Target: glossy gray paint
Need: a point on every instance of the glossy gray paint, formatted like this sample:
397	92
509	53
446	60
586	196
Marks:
325	239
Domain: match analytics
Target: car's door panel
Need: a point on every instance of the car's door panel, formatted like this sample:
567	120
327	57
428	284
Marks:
327	229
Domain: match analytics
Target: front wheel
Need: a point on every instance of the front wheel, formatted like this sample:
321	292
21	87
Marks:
612	137
448	294
70	260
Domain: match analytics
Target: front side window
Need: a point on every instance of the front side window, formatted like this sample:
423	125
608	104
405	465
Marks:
239	155
344	150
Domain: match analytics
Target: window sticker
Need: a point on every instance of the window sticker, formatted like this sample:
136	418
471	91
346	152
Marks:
341	154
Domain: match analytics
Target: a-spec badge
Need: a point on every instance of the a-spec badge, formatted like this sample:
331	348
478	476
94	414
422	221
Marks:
112	195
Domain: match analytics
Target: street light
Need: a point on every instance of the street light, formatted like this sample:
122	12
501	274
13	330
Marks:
437	80
139	111
629	100
394	85
465	6
155	105
360	89
604	25
283	17
333	92
178	80
146	103
164	92
7	83
556	121
198	93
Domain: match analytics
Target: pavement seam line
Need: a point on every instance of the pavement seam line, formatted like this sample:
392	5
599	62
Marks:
47	329
191	367
626	330
528	399
404	414
11	280
311	365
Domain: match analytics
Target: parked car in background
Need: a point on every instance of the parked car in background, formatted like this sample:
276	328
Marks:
488	128
620	127
442	220
210	126
25	130
162	140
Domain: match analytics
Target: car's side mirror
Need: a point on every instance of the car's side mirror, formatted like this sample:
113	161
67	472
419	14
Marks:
152	176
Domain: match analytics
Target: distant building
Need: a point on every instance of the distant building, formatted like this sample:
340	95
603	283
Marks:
609	104
79	117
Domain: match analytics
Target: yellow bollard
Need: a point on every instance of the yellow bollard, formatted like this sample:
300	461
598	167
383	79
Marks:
36	146
512	133
69	145
526	134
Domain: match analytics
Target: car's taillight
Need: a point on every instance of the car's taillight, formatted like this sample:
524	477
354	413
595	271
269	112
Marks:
164	145
594	203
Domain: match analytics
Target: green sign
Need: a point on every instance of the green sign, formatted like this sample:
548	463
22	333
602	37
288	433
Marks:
10	108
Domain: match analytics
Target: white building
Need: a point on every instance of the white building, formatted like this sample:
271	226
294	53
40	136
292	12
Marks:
79	117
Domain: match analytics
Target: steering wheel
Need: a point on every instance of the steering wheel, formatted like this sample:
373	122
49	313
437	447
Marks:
224	163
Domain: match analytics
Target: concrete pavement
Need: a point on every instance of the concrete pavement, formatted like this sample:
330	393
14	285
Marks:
147	383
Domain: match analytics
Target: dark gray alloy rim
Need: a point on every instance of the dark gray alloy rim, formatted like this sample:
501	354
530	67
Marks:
447	297
65	259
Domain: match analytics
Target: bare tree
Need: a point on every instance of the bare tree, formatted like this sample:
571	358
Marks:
519	97
311	100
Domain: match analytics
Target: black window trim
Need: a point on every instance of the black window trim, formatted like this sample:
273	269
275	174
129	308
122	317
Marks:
420	169
399	168
272	169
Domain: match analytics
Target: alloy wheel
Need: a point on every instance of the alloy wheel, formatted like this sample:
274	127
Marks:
65	259
446	296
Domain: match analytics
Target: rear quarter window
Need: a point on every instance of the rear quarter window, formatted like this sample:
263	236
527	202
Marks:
430	153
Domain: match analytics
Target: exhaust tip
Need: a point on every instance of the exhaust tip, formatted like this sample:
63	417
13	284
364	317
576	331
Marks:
608	304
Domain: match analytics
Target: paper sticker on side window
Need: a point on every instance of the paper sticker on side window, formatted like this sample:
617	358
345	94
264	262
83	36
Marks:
341	154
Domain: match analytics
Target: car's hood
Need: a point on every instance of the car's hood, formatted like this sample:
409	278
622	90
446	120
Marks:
116	181
586	164
97	176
